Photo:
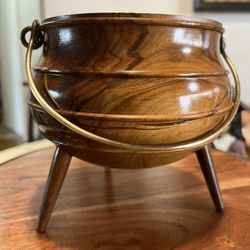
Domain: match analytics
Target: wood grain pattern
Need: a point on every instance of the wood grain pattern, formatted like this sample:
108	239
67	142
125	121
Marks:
160	208
133	78
60	164
139	18
207	166
58	171
139	79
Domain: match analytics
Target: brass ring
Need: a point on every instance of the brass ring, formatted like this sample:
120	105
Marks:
39	37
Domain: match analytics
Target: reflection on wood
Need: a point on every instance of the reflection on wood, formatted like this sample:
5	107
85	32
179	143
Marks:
160	208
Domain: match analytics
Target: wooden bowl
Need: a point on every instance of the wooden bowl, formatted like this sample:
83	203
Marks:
134	78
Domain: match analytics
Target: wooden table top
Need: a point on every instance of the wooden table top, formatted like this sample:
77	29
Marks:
160	208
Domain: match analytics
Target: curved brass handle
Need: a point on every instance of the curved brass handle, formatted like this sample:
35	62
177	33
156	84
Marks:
189	145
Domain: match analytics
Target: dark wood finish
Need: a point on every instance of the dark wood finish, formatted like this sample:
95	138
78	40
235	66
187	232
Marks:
58	171
59	167
158	208
135	78
134	18
207	167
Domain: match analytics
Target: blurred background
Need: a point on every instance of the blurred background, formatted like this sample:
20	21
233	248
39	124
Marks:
15	126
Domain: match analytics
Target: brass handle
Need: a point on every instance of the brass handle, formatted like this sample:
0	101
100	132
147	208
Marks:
189	145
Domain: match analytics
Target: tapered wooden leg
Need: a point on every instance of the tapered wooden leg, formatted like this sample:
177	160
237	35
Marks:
207	167
58	171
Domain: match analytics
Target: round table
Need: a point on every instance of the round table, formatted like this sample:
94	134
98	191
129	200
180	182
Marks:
160	208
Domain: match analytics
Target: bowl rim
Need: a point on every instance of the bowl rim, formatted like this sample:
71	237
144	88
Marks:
136	18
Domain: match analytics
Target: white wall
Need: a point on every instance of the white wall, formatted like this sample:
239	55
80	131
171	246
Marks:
59	7
12	90
14	15
237	25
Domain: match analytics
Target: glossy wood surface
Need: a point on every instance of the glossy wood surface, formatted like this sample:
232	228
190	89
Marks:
58	171
159	208
131	49
60	164
140	79
207	166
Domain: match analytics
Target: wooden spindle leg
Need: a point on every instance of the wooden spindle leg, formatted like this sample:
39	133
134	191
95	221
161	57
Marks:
207	167
58	171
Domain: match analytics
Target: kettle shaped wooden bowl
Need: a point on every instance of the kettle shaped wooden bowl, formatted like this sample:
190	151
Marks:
129	91
133	78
